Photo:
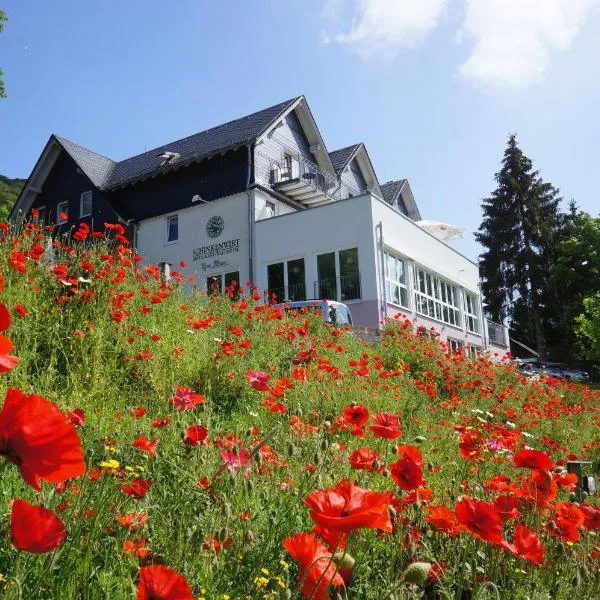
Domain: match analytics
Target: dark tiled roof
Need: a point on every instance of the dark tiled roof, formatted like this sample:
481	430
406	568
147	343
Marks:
200	145
391	189
339	158
98	168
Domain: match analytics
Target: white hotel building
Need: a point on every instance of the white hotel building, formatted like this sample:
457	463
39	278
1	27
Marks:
262	199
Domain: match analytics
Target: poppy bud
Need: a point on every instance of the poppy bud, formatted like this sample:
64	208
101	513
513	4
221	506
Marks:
416	573
324	444
250	536
250	485
222	534
376	465
227	511
286	594
343	560
258	458
291	449
327	424
420	439
392	512
385	472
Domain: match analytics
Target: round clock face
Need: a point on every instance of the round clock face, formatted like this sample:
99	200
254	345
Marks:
215	226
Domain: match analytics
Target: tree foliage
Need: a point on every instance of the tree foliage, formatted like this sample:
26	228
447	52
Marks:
520	233
3	18
587	328
9	192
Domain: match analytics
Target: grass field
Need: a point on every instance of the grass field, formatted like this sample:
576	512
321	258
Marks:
256	454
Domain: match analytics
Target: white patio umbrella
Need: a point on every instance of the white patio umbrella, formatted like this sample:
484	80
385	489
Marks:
443	231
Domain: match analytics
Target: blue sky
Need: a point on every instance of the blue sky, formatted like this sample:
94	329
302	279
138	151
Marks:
432	87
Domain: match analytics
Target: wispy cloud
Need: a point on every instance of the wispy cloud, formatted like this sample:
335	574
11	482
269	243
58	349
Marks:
514	39
382	27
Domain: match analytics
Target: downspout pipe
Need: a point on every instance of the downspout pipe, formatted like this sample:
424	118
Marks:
382	258
250	217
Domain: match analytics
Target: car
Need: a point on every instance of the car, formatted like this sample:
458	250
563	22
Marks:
551	369
333	312
576	374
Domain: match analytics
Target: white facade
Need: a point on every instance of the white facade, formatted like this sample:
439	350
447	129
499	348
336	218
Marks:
400	267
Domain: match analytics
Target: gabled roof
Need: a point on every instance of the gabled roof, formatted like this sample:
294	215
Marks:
98	168
224	137
340	158
391	189
398	191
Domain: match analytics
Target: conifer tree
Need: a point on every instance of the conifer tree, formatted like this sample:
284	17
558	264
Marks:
520	234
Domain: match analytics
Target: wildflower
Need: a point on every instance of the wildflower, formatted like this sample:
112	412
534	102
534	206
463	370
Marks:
386	426
158	582
7	362
526	545
186	399
34	528
356	415
479	519
258	380
316	569
233	461
133	520
347	507
144	444
443	519
138	488
407	472
39	439
77	417
4	317
363	459
533	459
196	435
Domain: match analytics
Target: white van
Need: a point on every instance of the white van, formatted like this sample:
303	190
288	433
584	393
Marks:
332	311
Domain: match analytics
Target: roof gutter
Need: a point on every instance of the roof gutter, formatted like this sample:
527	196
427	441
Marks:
250	194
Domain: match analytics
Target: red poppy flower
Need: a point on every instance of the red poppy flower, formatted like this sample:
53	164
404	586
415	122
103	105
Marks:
196	435
592	516
21	310
233	461
4	317
407	474
567	521
386	426
316	569
138	488
77	417
158	582
479	519
39	439
132	521
363	459
540	488
185	398
533	459
138	411
258	380
527	545
7	362
144	444
136	547
34	528
161	422
347	507
507	507
443	519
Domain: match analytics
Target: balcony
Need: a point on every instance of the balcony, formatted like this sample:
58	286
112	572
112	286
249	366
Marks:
496	334
305	182
289	293
342	288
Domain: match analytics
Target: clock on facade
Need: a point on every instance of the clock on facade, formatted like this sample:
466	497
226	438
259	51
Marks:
215	226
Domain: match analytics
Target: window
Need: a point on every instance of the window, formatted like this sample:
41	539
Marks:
286	280
396	280
473	352
42	218
224	284
455	345
436	298
471	313
339	276
85	204
269	209
172	229
62	212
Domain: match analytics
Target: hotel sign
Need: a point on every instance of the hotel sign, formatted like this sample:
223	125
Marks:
217	249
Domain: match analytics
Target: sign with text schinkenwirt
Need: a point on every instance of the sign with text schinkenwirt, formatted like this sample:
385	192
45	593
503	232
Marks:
217	249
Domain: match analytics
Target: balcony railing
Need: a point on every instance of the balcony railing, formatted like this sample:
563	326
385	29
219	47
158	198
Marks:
296	291
496	333
348	287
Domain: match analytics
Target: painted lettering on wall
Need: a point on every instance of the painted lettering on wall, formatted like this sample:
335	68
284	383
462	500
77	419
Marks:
215	265
218	249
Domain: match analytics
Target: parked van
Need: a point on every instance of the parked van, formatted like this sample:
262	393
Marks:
333	312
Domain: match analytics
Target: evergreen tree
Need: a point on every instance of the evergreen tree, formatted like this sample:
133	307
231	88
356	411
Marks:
520	232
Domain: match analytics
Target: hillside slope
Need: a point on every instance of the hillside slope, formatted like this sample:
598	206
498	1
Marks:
244	447
9	192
